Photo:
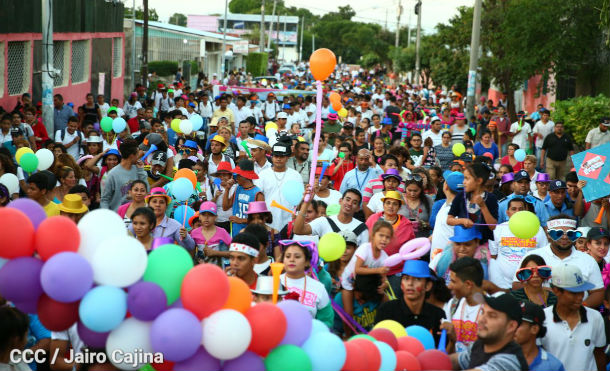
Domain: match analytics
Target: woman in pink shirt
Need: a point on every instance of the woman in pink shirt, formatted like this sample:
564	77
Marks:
212	241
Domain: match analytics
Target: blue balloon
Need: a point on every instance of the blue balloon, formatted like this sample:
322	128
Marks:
182	189
423	335
388	357
318	326
197	122
103	308
520	155
179	214
331	110
326	351
118	125
293	191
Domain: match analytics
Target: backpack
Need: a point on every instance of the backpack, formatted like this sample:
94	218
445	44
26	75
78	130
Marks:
78	134
359	229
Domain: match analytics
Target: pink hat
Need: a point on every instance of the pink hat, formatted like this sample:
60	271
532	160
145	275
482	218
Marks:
208	207
460	116
257	207
333	116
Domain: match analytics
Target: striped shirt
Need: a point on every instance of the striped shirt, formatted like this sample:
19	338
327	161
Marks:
376	186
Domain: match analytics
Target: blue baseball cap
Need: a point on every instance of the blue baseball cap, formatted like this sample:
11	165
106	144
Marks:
455	181
386	121
461	234
261	137
192	104
190	144
417	268
286	106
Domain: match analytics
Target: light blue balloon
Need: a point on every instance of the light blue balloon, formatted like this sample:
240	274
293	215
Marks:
182	189
293	191
118	125
423	335
318	326
520	155
179	214
103	308
326	351
388	357
331	110
197	122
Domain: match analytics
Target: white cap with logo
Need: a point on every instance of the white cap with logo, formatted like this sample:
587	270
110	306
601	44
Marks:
569	277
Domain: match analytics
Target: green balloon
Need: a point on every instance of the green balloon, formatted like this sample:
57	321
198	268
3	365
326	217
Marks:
288	358
362	336
167	266
106	124
333	209
28	162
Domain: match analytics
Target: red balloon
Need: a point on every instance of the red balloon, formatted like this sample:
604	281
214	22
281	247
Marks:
406	361
56	234
57	316
433	359
386	336
371	352
16	234
165	366
205	289
355	359
410	344
268	324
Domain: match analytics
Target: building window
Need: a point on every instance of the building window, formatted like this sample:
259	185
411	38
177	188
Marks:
1	69
80	61
19	69
61	60
117	57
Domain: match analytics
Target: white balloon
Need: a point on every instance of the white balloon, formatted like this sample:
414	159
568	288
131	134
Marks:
11	182
186	127
45	159
97	226
121	262
226	334
132	337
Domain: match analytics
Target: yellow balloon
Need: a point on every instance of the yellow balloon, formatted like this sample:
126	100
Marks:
22	151
331	246
342	112
271	125
458	149
175	125
393	326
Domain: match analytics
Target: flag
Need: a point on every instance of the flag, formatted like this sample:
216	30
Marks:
239	25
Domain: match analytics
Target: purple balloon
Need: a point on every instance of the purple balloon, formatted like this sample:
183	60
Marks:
176	333
299	322
160	241
202	360
30	208
66	277
146	300
91	338
247	361
177	304
20	279
29	306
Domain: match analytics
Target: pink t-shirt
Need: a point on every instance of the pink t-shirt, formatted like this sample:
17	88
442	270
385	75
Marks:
221	236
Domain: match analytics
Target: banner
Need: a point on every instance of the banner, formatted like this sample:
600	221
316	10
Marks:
594	167
262	93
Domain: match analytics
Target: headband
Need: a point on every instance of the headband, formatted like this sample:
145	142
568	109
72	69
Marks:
240	247
570	223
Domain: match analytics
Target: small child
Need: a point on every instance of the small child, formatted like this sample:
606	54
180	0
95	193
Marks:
581	242
212	241
429	153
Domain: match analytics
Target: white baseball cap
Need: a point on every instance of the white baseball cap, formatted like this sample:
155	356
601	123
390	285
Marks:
569	277
282	115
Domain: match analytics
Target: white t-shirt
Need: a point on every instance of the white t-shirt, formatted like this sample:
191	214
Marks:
442	231
437	138
311	108
74	150
376	206
240	115
544	129
332	199
131	110
104	108
365	253
312	293
328	155
271	183
71	336
510	251
464	321
320	227
521	138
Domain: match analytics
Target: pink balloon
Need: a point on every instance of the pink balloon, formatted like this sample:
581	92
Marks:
415	248
392	260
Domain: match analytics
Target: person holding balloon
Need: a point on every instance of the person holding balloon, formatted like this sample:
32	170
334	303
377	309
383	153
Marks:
510	158
240	195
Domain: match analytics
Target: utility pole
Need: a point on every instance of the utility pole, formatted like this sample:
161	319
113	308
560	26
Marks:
47	65
221	75
409	32
144	68
277	36
397	36
386	19
261	42
133	46
313	39
301	43
474	59
284	47
417	41
271	25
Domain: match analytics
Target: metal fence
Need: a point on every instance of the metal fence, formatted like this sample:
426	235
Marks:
117	56
18	67
80	61
60	62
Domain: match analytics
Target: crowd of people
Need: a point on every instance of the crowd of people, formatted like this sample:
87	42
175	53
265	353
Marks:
388	170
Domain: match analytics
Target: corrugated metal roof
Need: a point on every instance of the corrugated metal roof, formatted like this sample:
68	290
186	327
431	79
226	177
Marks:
192	31
257	18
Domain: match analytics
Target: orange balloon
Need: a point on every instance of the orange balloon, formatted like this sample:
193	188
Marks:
322	63
334	98
337	106
188	174
240	297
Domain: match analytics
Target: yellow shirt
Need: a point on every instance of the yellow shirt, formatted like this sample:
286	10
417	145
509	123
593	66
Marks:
226	113
51	209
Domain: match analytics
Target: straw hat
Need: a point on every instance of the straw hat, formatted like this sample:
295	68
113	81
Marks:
73	204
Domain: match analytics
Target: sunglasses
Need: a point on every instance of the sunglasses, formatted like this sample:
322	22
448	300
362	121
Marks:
415	177
572	234
525	274
307	244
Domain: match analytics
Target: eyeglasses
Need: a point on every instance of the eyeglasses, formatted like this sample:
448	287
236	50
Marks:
415	177
525	274
572	234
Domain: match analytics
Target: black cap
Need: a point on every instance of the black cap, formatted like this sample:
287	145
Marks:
348	124
15	132
159	158
152	138
522	174
506	303
597	232
533	314
557	184
466	157
281	149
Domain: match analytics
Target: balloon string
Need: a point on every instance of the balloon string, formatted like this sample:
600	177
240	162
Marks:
184	219
489	225
314	159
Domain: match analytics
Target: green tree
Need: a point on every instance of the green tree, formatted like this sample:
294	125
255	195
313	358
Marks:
152	13
178	19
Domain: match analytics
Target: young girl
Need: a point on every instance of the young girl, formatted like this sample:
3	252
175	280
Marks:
464	242
312	293
144	222
368	259
474	205
378	149
137	193
418	205
429	156
212	242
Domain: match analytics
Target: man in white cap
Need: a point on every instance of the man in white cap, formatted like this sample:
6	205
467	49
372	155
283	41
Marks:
575	333
258	149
